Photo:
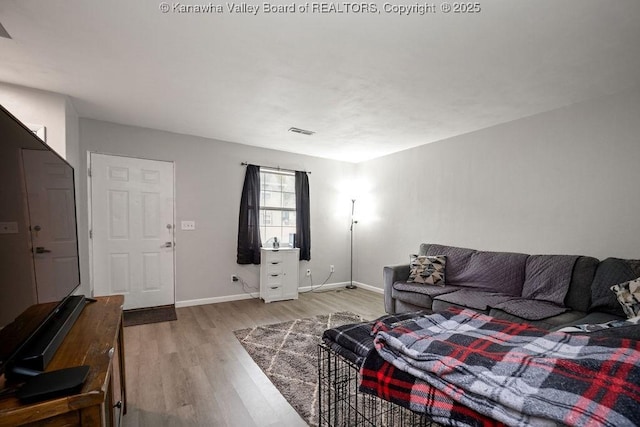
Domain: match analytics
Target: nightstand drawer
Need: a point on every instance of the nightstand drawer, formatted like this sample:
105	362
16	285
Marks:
274	257
274	279
274	268
274	292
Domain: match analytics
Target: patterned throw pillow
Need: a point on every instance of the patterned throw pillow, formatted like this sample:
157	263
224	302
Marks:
427	269
628	294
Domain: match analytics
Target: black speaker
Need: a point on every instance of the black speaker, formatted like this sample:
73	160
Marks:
49	385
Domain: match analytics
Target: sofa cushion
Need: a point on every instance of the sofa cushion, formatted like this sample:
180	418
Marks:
404	307
530	309
579	293
493	271
592	319
547	277
479	300
430	290
604	325
418	294
439	306
611	271
628	294
429	270
629	332
548	323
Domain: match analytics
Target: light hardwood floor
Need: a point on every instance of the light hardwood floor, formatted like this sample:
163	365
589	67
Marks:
194	372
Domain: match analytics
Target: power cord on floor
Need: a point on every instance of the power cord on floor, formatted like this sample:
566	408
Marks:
245	285
312	290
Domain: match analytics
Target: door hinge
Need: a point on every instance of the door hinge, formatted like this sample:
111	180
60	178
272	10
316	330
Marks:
89	172
91	234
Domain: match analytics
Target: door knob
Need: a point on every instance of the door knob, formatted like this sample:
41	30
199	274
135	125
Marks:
168	245
41	250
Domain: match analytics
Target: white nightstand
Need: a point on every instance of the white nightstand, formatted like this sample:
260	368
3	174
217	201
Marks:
279	269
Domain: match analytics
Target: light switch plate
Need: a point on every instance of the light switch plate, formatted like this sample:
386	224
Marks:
8	228
188	225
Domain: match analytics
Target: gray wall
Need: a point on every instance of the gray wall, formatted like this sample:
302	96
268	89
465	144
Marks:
564	181
38	107
209	181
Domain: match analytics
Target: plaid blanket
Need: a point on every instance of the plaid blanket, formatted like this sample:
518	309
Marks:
354	341
452	364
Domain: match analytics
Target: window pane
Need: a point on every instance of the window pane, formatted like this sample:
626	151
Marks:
267	218
277	191
276	218
289	219
288	235
271	182
289	200
270	233
289	183
272	199
284	235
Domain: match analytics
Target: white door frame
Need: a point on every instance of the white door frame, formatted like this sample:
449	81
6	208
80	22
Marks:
90	220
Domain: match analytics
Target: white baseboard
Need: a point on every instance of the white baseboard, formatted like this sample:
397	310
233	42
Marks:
213	300
369	287
238	297
325	286
343	285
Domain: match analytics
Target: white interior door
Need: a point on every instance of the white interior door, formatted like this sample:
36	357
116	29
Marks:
132	229
52	215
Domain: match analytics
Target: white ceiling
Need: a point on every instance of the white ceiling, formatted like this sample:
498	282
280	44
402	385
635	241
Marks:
367	84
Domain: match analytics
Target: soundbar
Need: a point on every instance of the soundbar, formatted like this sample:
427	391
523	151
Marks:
39	351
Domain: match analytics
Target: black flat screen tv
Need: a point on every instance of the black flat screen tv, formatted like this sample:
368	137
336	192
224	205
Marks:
39	266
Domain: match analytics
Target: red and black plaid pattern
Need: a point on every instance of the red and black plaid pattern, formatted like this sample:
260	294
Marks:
380	378
464	368
354	341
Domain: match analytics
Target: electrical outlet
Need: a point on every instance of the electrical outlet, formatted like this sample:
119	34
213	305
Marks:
188	225
234	278
308	272
331	268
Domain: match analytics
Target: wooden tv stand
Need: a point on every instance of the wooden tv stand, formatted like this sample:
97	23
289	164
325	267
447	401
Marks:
96	339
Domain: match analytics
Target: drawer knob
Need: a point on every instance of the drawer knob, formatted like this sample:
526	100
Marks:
274	275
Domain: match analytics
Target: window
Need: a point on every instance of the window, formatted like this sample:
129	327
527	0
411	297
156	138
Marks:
277	207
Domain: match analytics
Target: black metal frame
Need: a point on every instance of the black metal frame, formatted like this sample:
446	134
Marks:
341	405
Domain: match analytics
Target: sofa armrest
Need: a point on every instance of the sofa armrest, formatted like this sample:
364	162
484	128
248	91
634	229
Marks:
392	274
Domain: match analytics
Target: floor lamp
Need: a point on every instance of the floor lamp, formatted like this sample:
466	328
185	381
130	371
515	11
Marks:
353	221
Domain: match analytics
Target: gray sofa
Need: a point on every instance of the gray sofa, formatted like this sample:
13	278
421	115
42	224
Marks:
548	291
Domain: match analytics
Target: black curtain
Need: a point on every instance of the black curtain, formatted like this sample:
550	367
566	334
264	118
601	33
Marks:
303	227
249	223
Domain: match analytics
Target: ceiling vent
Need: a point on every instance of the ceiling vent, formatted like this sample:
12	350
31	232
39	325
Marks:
301	131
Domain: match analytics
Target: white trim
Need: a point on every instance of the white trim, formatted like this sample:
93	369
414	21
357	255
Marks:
212	300
342	285
325	286
369	287
89	222
238	297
